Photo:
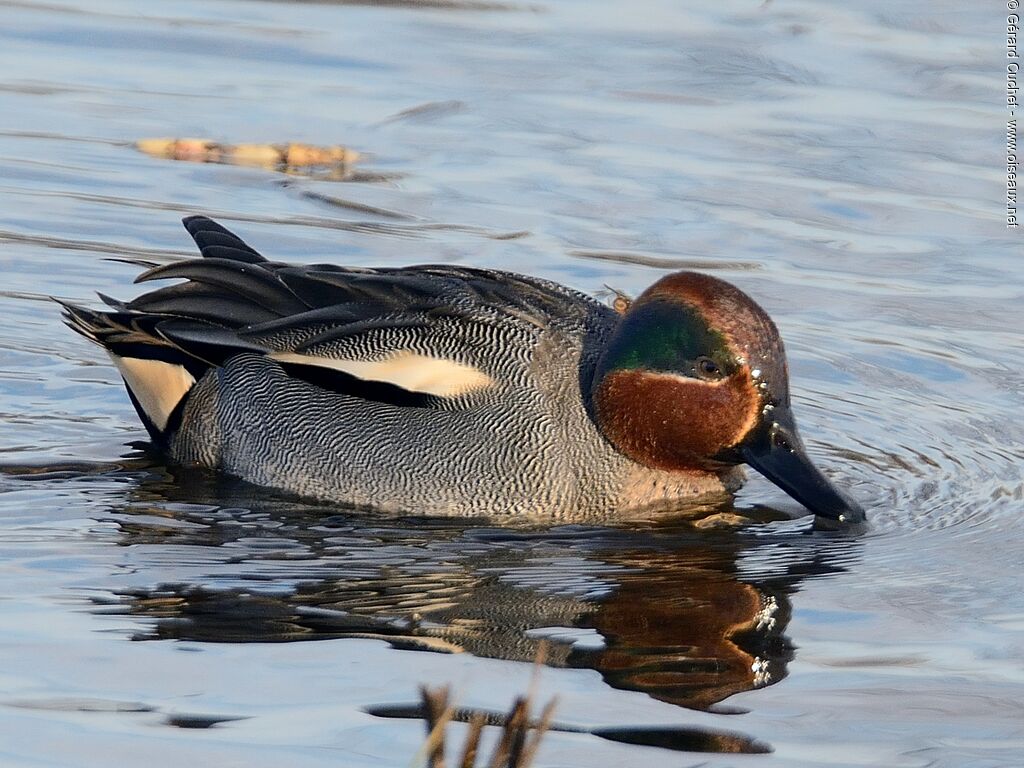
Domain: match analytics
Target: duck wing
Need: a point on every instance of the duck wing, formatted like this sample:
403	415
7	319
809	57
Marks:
426	336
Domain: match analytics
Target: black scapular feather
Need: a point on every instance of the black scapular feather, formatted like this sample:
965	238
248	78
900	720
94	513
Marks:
207	233
344	383
248	281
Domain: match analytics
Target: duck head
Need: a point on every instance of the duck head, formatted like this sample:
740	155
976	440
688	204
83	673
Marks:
695	379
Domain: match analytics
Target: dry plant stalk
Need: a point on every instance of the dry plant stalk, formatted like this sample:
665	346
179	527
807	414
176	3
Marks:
516	747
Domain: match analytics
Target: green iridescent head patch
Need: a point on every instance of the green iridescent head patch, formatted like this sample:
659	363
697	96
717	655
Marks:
666	337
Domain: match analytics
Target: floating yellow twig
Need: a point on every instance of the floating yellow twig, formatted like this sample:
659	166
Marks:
271	156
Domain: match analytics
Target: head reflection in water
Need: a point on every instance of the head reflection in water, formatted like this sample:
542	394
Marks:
688	631
663	611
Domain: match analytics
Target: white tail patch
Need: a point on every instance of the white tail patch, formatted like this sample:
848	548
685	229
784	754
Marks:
406	369
158	386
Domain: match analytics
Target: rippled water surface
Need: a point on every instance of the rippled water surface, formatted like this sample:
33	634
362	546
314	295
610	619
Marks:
840	162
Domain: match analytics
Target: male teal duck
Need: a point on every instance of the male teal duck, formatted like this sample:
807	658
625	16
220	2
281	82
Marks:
456	391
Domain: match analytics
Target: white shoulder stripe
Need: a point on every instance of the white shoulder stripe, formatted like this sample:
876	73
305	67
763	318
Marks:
158	386
404	368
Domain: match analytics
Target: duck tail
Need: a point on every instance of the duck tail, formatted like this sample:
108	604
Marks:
157	374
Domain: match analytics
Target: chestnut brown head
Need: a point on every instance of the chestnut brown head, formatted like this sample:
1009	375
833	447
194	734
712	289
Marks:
695	379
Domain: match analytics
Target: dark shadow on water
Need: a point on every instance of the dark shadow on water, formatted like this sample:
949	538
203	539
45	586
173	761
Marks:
680	739
199	721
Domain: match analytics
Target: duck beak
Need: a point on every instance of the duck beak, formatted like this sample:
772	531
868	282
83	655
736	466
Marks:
776	451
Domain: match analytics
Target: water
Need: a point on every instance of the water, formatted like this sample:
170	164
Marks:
841	164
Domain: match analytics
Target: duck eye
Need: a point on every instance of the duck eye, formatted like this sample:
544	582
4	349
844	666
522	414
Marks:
707	368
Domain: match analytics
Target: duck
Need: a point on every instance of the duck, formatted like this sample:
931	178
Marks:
455	390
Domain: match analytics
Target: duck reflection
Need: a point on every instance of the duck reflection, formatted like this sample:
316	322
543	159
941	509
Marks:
667	610
685	629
